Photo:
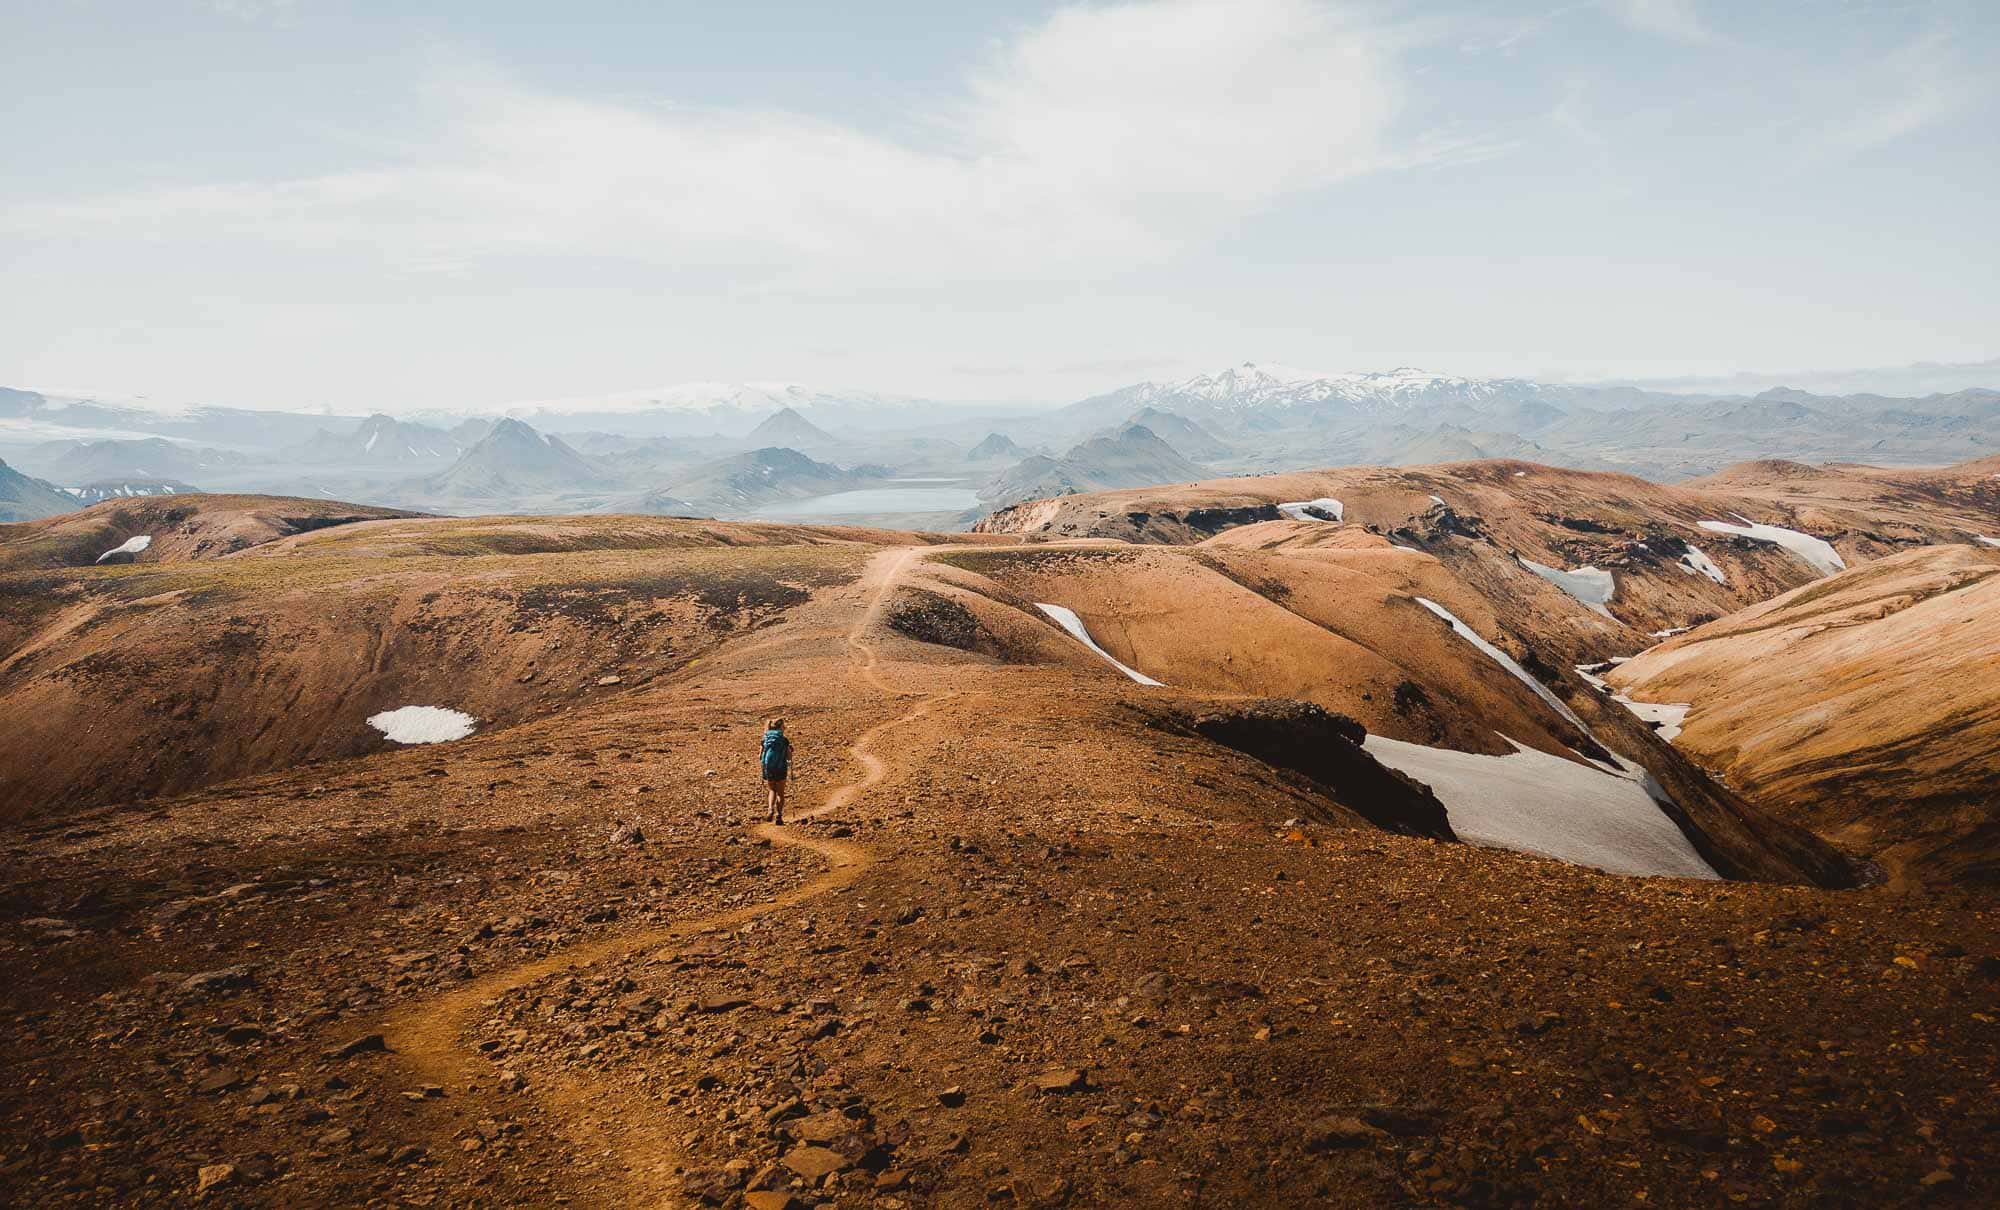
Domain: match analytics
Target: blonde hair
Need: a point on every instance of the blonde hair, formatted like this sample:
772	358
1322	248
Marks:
776	724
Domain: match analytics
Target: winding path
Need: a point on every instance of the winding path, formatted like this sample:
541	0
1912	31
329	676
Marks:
614	1121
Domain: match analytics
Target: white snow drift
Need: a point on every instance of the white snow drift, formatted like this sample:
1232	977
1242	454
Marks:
1532	802
1506	661
1696	563
1067	619
1665	718
1591	585
131	546
1303	510
1817	552
423	724
1984	538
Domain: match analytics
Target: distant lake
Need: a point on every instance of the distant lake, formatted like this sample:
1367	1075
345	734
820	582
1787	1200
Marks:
878	501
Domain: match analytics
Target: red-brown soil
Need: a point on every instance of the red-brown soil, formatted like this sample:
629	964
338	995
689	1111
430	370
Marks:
198	663
1496	511
179	528
1040	944
1866	707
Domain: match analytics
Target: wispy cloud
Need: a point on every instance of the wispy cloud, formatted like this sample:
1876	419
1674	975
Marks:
1912	87
1106	136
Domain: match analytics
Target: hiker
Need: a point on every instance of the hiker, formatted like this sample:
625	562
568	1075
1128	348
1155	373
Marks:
777	765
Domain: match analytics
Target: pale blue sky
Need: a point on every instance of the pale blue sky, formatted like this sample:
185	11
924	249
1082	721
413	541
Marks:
300	202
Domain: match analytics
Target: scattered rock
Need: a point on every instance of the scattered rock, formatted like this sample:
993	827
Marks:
1061	1080
211	1176
360	1045
220	1080
1343	1130
225	979
812	1163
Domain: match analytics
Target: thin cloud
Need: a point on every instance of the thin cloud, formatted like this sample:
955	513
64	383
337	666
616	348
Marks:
1103	138
1675	19
1916	86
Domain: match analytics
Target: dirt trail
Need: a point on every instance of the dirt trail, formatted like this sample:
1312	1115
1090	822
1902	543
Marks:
613	1122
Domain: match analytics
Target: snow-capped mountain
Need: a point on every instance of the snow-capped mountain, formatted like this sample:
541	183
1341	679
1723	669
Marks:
1267	396
123	489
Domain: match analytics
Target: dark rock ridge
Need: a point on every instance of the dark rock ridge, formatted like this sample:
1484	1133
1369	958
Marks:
1325	748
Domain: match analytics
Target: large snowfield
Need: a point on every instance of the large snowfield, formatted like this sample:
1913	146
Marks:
423	724
1591	585
1532	802
1818	553
1067	619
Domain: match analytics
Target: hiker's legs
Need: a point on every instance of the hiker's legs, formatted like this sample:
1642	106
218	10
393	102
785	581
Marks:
777	788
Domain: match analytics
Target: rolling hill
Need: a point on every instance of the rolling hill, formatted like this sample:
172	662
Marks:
1862	706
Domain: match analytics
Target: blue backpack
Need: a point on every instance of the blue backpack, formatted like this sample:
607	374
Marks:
777	755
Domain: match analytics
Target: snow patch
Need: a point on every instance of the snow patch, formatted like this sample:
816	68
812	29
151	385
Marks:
1984	538
1067	619
1695	563
1816	552
1665	718
1506	661
1305	510
131	546
423	724
1532	802
1591	585
1671	631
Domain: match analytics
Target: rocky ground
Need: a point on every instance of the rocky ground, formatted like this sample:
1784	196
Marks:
1033	947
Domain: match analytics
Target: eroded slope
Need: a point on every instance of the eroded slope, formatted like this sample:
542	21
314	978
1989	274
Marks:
1866	706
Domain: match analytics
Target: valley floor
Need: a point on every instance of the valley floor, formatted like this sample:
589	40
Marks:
1029	950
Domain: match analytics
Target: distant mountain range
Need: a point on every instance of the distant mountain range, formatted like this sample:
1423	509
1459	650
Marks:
23	498
1129	457
513	460
585	454
87	494
790	430
995	447
1184	435
76	462
745	481
381	440
1276	418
